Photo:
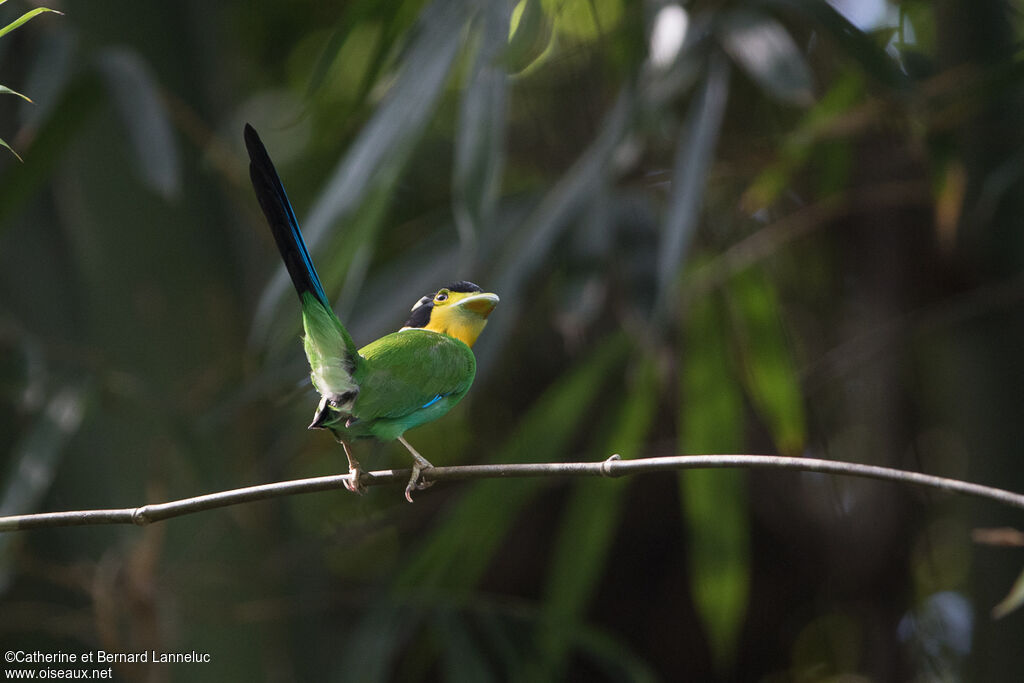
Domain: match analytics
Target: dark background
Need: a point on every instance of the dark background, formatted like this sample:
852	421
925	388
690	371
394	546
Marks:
794	235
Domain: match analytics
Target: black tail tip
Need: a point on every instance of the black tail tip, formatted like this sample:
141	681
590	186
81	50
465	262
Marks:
253	143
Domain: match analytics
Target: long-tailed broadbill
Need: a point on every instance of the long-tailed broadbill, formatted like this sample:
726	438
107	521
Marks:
398	382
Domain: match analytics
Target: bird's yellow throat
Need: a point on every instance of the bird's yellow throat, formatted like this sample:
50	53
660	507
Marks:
462	315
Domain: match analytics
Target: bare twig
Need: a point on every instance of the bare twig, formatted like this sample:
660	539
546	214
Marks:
612	467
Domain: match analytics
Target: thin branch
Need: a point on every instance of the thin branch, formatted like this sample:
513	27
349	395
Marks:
612	467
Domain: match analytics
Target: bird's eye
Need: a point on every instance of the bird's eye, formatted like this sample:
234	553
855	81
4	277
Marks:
441	296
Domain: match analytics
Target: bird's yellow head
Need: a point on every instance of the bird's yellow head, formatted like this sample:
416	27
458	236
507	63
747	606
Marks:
459	310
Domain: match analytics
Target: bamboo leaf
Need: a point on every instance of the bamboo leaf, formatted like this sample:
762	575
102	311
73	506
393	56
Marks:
27	16
53	66
380	152
11	149
35	459
694	155
531	33
768	371
416	271
714	501
528	248
355	17
137	99
1013	600
766	51
36	456
377	30
4	90
72	111
480	133
330	52
588	528
388	138
805	140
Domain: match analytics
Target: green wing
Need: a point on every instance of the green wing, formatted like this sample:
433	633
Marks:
412	373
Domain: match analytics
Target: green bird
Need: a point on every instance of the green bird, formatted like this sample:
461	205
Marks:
402	380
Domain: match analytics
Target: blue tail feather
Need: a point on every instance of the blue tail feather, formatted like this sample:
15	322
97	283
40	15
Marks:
281	217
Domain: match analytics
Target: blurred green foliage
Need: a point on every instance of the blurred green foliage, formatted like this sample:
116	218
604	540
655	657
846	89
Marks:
4	90
763	226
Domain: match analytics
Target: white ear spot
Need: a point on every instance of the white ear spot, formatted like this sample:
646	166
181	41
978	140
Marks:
423	300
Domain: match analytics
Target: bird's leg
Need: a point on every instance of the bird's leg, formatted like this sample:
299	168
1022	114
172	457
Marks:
355	486
419	464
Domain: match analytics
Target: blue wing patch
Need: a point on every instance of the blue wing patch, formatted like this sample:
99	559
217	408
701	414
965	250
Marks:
432	401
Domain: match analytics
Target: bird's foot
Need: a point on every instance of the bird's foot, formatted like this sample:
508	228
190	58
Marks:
419	464
354	484
414	481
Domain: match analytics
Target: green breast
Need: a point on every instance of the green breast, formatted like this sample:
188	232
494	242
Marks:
400	381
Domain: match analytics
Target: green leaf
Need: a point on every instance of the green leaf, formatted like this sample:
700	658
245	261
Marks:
4	90
388	138
768	371
694	155
805	140
766	51
136	97
1013	600
352	19
715	502
480	134
529	247
530	34
75	106
11	149
350	252
27	16
588	527
369	31
376	158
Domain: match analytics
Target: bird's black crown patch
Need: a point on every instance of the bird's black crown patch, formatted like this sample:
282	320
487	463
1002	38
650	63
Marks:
464	287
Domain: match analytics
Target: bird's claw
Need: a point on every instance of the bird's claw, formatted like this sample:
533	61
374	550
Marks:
419	463
415	483
355	483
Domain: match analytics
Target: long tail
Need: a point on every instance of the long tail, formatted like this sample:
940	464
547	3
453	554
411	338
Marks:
281	217
333	357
